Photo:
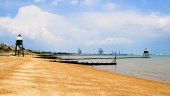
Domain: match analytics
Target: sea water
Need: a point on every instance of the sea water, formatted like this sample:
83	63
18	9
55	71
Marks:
155	68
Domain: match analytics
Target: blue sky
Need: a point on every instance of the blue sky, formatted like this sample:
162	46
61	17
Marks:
128	26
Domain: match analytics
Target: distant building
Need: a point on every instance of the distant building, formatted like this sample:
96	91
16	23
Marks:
6	48
28	50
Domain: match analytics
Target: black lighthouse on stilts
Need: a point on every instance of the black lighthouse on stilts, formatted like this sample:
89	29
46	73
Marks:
19	49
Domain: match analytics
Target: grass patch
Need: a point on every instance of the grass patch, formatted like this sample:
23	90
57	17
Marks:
29	53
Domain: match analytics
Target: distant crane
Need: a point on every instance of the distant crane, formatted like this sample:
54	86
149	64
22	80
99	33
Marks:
79	51
100	50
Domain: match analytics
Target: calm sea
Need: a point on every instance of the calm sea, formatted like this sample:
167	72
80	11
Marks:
155	68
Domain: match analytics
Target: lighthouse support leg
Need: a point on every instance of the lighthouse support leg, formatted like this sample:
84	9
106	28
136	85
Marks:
22	50
16	50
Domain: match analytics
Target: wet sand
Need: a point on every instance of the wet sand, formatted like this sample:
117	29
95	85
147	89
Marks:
26	76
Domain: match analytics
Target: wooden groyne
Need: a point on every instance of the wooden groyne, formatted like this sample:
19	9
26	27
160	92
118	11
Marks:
46	57
74	62
89	63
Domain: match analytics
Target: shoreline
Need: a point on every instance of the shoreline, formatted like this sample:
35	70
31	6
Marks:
23	76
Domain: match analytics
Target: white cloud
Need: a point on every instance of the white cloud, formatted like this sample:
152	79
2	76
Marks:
38	0
45	27
124	23
90	2
109	41
41	26
74	2
109	6
29	21
55	2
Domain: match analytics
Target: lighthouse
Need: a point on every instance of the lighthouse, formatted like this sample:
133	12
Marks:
146	53
19	49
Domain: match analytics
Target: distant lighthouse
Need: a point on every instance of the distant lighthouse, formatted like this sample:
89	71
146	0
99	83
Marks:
19	45
146	53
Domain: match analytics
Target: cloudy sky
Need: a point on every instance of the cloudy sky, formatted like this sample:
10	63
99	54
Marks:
128	26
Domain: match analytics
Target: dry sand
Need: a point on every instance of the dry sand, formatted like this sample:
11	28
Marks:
26	76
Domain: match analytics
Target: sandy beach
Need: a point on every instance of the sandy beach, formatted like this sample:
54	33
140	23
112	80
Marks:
27	76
